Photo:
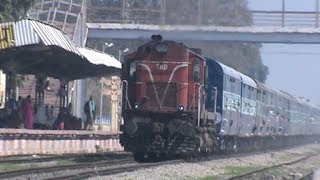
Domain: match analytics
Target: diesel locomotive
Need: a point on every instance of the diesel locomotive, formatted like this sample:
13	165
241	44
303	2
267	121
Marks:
177	102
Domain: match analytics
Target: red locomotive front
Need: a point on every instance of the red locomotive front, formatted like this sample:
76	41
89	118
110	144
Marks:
160	97
158	77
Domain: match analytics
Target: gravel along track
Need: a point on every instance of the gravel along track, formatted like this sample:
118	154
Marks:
58	170
307	157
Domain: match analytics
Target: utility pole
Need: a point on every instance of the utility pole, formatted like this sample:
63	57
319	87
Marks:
163	11
199	12
317	12
283	13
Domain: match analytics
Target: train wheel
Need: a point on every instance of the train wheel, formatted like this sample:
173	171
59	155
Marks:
139	157
152	157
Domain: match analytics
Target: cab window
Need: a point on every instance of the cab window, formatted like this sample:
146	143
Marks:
132	71
196	71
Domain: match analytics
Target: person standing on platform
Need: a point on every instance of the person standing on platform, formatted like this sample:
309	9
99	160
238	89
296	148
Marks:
28	113
90	111
20	109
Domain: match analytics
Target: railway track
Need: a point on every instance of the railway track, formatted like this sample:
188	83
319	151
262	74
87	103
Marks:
109	167
266	169
40	158
51	169
114	170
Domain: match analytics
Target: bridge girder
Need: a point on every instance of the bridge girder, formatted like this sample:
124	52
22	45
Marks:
205	33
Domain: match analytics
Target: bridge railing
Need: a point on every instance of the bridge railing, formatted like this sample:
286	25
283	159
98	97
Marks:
260	18
286	18
136	12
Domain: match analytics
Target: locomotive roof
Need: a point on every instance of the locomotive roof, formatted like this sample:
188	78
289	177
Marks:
283	94
229	71
248	80
303	101
273	91
238	75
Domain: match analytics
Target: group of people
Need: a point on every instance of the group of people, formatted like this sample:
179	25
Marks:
19	114
66	121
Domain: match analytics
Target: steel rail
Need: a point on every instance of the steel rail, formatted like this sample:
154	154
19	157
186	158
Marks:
39	170
44	158
246	175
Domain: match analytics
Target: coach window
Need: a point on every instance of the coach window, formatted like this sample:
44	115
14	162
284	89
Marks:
133	69
196	71
249	92
232	85
224	82
254	93
259	95
244	91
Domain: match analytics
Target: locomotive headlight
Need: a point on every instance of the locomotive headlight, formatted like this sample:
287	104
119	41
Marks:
181	108
161	48
136	106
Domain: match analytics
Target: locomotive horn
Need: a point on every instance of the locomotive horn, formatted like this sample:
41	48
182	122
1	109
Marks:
159	37
156	37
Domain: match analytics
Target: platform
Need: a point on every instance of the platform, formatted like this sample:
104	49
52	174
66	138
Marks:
24	142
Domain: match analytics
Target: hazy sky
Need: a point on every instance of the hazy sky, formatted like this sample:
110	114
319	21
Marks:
294	68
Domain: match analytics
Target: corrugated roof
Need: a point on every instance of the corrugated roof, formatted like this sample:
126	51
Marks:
29	32
52	36
99	58
70	62
24	34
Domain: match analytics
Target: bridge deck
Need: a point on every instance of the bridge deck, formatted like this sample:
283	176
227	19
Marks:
205	33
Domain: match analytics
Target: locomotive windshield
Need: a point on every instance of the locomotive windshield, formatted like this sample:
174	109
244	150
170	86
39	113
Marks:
196	72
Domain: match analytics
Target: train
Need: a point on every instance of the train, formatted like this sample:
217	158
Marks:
176	102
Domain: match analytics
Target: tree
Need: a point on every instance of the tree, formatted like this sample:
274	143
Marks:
11	10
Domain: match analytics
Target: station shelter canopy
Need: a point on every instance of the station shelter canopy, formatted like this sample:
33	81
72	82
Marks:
33	47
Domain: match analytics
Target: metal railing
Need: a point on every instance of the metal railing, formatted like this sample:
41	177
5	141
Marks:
286	18
123	13
67	12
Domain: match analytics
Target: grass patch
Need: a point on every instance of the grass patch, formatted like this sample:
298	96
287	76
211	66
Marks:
9	166
64	161
284	157
238	170
211	178
231	171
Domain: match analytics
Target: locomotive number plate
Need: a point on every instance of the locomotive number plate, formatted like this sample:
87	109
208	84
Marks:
162	67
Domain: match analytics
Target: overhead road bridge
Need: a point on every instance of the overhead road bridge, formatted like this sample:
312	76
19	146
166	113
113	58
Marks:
205	33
